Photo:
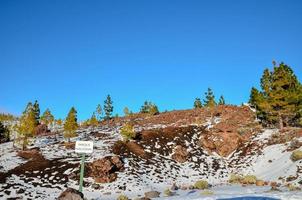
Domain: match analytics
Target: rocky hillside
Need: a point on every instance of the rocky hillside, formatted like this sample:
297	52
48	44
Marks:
175	149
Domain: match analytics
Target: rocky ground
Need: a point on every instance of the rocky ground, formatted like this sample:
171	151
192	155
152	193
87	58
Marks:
174	148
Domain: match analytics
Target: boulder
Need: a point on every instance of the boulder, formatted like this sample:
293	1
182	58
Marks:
152	194
30	153
104	170
260	183
221	142
71	194
180	154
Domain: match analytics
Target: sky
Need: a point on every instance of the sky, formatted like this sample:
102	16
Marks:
67	53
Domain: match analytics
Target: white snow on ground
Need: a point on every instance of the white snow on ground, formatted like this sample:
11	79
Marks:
274	163
219	192
8	157
210	122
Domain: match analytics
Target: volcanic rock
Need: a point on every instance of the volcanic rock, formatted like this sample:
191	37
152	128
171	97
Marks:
71	194
152	194
180	154
104	170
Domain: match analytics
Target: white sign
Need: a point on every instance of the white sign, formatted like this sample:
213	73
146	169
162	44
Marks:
84	147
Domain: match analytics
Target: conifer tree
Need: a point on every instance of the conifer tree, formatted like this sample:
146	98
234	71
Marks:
47	118
210	99
99	112
27	124
93	121
149	108
126	111
221	100
4	133
145	107
197	103
108	107
279	101
36	108
153	110
71	124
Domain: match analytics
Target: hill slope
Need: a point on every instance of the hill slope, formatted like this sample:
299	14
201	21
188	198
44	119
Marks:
179	147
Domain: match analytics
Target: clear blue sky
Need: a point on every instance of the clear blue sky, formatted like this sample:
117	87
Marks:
73	53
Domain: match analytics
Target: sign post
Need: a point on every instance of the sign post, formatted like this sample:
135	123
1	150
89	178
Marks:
83	147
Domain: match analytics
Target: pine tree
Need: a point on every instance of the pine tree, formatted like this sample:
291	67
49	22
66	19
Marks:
99	112
265	81
153	110
197	103
108	107
36	108
145	107
71	124
47	118
93	121
126	111
149	108
27	124
210	99
4	133
279	101
221	100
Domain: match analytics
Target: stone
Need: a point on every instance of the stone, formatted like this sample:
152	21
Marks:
180	154
260	183
71	194
95	186
152	194
104	170
20	191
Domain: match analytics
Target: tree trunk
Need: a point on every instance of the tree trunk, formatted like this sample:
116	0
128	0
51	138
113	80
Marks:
24	143
280	121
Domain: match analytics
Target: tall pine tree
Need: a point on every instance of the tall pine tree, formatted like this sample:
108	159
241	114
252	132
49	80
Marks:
99	112
93	121
27	124
36	108
108	107
47	118
149	108
4	133
279	101
71	124
209	99
126	111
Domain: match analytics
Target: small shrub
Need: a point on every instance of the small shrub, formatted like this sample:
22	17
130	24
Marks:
201	185
122	197
296	155
249	179
168	193
127	132
207	192
293	188
234	178
243	130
